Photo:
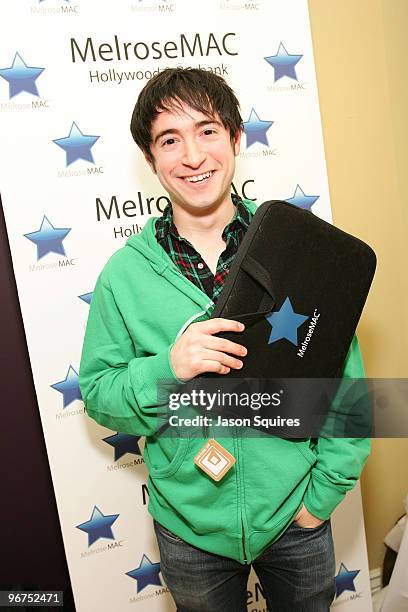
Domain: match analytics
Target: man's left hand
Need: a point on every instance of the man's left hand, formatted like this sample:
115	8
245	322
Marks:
307	520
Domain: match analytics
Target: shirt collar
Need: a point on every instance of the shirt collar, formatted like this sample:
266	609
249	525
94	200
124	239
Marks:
165	225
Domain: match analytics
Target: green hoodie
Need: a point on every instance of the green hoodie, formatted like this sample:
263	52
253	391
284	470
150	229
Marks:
141	304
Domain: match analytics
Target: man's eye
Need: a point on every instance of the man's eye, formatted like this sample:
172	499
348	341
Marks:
209	131
168	142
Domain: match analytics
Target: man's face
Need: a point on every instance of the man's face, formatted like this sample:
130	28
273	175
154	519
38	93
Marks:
193	158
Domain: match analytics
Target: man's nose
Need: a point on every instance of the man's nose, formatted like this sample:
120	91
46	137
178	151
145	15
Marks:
193	154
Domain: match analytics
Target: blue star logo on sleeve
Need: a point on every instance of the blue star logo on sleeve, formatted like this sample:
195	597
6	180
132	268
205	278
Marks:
302	200
86	297
21	77
69	387
98	526
123	443
345	580
77	145
255	130
147	573
285	323
284	63
48	238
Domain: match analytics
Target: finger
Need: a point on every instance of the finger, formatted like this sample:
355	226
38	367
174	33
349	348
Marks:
222	358
214	366
212	326
224	345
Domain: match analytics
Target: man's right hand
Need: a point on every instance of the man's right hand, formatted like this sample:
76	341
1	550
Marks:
198	351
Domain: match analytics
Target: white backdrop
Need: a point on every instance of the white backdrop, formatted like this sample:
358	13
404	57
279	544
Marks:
74	186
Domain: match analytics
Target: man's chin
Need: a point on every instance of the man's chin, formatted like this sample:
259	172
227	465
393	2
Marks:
205	202
201	205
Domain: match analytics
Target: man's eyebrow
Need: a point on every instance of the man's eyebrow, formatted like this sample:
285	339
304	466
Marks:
199	124
163	133
208	122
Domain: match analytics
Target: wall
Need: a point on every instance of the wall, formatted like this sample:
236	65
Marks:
360	50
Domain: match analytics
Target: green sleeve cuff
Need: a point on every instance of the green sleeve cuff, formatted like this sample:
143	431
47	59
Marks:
156	378
321	498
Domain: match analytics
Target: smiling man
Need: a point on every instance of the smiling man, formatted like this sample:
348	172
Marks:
150	320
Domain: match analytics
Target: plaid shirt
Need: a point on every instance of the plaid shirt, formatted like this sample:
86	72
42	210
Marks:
190	262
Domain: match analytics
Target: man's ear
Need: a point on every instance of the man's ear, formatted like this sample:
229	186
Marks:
236	142
149	158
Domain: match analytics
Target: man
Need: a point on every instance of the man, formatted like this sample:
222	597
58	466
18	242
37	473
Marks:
149	320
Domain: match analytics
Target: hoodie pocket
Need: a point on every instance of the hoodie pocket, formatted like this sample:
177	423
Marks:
164	455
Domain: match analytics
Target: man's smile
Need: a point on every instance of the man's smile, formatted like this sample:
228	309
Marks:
198	178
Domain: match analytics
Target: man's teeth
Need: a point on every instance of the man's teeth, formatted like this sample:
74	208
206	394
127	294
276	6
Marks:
198	178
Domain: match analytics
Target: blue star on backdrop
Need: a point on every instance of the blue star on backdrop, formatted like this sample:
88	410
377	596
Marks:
255	130
284	63
86	297
48	238
21	77
98	526
302	200
345	580
147	573
285	323
77	145
123	443
69	387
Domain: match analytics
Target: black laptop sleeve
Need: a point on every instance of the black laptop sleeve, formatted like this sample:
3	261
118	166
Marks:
299	285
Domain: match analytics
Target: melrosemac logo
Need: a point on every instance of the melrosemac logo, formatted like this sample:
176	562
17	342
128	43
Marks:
160	6
147	573
285	323
98	526
345	580
86	297
183	45
124	443
69	387
49	238
77	145
255	129
21	77
284	63
53	7
301	200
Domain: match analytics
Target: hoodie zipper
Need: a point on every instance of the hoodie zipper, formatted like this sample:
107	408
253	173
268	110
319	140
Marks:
243	541
240	493
199	315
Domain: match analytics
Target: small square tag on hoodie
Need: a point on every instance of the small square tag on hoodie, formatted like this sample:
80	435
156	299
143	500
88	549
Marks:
214	459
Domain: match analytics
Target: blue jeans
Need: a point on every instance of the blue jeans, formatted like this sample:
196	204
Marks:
296	573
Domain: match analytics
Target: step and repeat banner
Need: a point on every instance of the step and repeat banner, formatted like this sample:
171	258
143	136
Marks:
75	187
